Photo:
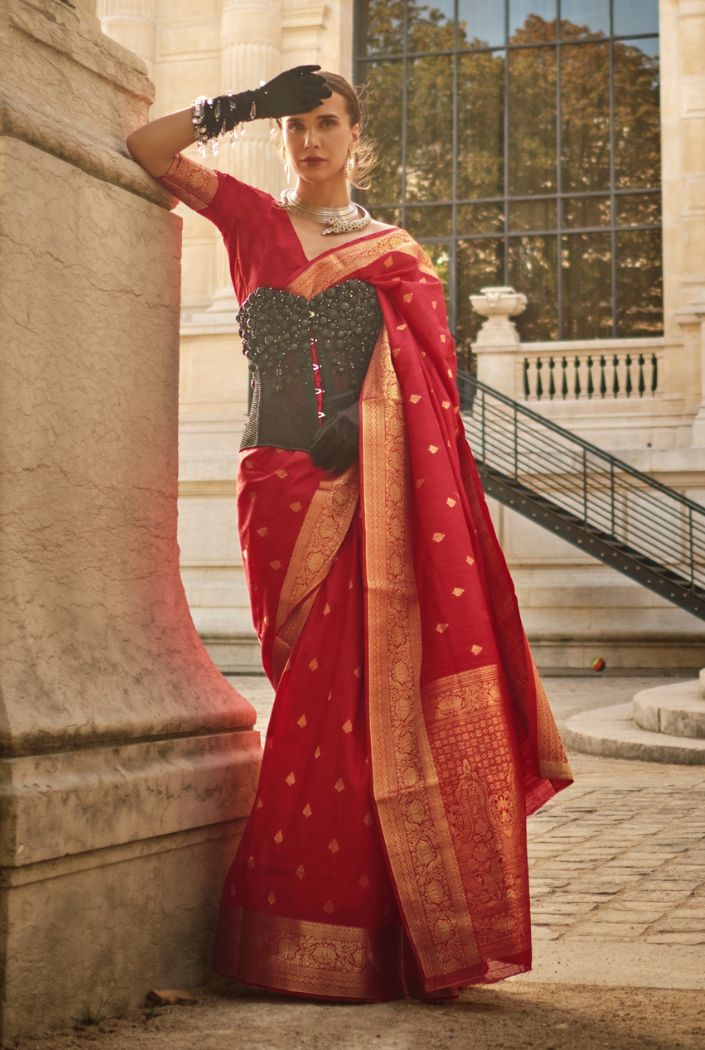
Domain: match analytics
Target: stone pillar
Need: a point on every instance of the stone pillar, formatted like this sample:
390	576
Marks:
682	34
692	320
497	343
133	24
128	762
250	52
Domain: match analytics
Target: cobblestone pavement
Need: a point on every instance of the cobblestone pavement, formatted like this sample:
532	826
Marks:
621	855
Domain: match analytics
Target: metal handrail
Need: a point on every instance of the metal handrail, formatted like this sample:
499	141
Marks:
540	454
599	502
466	379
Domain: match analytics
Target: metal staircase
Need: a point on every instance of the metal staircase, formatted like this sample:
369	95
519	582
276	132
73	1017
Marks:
620	515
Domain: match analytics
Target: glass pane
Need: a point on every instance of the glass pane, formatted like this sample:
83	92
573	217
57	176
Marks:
532	270
586	211
637	125
380	26
385	82
581	18
531	20
390	215
648	44
480	264
481	124
429	222
480	24
431	26
532	121
533	215
639	283
585	117
635	16
587	288
440	256
429	150
638	209
480	218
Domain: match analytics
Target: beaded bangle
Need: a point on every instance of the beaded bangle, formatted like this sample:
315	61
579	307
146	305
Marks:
199	122
211	116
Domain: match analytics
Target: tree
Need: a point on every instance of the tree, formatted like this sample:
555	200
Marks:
534	131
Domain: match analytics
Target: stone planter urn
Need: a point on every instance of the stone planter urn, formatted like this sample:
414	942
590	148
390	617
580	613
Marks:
498	305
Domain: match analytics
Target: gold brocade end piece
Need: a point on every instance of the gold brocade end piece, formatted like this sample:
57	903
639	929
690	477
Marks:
310	958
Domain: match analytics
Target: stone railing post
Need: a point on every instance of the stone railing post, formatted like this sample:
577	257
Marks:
497	342
128	763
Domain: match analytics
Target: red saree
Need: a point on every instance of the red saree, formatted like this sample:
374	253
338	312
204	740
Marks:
410	735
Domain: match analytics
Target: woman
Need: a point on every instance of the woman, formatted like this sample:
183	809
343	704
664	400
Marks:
410	736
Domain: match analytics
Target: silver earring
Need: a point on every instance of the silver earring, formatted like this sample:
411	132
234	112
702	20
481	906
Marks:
287	171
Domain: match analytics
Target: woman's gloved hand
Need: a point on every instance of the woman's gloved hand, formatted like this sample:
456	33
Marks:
336	445
296	90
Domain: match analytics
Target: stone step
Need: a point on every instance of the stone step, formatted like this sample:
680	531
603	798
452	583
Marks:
678	709
234	654
611	731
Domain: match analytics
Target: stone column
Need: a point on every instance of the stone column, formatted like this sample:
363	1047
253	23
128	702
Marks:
128	762
682	34
692	322
497	342
250	52
133	24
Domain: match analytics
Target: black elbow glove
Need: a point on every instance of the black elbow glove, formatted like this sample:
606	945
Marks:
336	445
296	90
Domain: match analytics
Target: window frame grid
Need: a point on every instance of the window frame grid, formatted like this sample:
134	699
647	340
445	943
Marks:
506	235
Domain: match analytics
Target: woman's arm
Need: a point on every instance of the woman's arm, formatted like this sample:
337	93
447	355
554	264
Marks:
155	144
295	90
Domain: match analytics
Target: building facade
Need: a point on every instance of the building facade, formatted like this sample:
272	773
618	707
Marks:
555	146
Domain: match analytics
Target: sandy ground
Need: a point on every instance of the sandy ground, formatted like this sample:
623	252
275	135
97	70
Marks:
505	1016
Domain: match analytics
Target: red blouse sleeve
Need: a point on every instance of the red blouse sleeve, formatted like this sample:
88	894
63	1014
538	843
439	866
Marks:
215	194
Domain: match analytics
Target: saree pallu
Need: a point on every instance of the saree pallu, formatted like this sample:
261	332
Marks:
410	734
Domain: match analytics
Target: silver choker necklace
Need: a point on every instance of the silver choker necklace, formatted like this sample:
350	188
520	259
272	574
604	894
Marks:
333	220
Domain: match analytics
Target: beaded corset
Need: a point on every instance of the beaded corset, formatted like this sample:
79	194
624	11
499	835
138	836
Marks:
307	359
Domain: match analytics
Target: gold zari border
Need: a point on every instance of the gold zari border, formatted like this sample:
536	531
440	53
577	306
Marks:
310	958
405	781
348	258
322	531
552	757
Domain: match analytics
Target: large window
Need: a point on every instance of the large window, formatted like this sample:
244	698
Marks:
520	143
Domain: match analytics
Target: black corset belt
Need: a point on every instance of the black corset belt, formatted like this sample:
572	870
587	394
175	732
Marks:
277	329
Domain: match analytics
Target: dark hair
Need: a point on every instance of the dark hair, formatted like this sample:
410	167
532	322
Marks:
365	153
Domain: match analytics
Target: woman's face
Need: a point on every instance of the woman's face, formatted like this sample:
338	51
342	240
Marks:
317	143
